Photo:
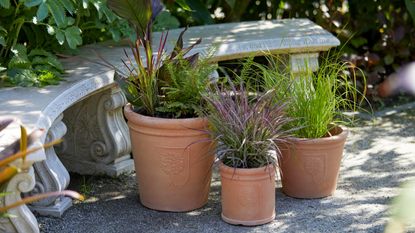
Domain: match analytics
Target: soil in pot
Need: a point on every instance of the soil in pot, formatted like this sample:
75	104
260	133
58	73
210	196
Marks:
173	161
310	167
248	195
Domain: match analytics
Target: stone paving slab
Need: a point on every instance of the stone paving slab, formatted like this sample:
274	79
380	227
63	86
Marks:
379	156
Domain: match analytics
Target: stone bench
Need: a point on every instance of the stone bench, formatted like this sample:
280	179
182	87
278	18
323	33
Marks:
86	108
95	133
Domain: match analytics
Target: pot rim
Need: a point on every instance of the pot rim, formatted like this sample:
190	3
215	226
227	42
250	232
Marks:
158	122
243	171
342	135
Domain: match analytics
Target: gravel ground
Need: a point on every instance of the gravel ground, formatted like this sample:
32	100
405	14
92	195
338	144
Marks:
378	158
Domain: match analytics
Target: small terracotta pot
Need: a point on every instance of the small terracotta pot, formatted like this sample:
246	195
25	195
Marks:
310	167
173	161
248	195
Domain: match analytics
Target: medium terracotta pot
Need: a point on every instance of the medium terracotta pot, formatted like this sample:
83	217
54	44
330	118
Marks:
248	195
310	167
173	161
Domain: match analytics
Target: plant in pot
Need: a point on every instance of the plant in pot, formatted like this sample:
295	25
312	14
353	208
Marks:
172	152
247	129
311	159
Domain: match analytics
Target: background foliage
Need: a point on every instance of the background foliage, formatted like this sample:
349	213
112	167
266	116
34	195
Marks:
31	29
379	35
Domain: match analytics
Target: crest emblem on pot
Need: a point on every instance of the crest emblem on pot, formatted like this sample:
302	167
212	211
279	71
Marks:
249	198
315	166
175	164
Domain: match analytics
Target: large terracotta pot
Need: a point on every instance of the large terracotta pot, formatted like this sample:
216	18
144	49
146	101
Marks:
248	195
173	161
310	167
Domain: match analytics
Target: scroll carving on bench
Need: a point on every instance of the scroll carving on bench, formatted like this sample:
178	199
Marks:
97	141
51	176
23	220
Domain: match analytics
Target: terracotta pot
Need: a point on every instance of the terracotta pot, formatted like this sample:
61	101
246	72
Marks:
248	195
173	161
310	167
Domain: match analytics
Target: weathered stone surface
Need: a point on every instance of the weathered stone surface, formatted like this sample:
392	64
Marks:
40	107
23	220
238	40
51	176
98	140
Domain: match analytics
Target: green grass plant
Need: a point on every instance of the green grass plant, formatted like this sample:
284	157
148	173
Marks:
316	98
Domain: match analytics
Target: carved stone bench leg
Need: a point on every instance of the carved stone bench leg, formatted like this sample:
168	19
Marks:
301	62
97	141
23	221
51	176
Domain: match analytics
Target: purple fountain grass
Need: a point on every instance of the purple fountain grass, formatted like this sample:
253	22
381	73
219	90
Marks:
248	128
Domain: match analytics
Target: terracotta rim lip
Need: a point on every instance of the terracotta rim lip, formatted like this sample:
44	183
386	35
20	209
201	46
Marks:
158	122
242	171
249	222
335	138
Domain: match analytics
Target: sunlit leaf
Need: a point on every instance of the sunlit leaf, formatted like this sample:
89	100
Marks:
23	140
68	5
7	173
41	196
19	59
32	3
60	36
183	5
42	12
73	36
58	12
136	12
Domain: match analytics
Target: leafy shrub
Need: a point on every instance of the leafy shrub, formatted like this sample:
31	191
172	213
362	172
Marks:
30	30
